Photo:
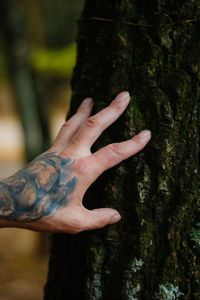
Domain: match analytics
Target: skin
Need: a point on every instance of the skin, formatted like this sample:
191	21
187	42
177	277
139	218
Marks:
47	194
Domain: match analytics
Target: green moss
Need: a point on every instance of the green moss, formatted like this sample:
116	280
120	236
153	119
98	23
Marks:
195	236
136	114
97	252
95	287
135	119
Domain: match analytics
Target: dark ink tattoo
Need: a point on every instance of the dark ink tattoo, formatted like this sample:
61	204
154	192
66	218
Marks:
38	190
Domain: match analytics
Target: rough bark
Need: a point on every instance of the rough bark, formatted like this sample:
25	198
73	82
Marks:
152	49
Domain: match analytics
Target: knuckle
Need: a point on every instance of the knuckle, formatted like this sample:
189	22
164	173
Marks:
83	109
74	143
91	123
77	225
137	143
102	222
117	106
67	124
76	230
138	139
116	149
82	165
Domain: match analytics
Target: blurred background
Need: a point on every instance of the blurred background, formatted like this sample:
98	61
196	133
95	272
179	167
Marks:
37	55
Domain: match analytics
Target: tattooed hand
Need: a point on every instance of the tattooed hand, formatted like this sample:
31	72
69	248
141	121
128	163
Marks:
47	194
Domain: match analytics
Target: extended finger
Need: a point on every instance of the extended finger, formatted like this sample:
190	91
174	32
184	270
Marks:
98	218
94	126
71	126
113	154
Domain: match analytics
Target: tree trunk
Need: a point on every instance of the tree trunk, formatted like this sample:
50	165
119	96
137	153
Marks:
152	49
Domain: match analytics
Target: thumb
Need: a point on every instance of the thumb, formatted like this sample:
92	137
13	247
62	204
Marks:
100	217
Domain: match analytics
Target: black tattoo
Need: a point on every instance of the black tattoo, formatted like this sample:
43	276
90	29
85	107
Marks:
38	190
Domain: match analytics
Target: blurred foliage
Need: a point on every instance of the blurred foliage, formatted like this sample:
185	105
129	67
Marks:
195	236
46	31
58	62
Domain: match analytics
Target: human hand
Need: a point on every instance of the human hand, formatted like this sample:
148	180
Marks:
47	194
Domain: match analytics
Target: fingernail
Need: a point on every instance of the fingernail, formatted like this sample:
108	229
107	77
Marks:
115	219
87	102
145	134
122	97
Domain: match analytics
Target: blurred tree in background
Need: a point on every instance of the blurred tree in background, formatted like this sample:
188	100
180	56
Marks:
37	54
60	25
